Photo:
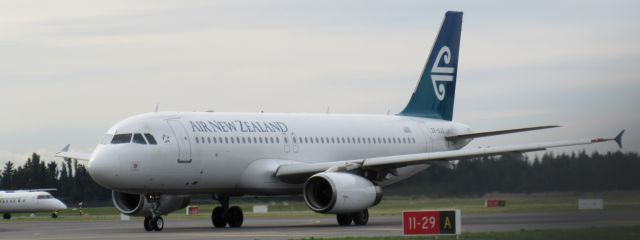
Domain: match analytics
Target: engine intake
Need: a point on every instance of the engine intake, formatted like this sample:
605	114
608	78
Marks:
137	204
339	192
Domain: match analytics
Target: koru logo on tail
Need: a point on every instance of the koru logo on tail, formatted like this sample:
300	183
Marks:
442	74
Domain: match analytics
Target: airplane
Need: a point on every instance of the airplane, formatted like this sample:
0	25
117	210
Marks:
154	162
29	201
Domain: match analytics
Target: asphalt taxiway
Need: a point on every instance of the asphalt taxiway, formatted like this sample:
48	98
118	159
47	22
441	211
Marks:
287	228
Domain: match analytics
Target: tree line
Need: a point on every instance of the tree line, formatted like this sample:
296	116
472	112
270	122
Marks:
70	179
573	172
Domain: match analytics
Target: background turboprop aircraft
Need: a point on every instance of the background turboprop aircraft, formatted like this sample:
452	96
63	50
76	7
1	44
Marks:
154	162
29	201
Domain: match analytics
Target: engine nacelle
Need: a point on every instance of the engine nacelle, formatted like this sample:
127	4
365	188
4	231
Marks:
137	204
340	192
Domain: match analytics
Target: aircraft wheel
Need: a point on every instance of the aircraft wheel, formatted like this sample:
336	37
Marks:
147	224
360	218
218	217
6	216
235	217
158	223
344	219
54	215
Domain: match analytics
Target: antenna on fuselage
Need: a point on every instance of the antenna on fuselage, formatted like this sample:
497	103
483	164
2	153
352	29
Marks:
328	109
157	106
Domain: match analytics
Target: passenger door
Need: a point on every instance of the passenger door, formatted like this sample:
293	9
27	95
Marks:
295	142
182	139
287	144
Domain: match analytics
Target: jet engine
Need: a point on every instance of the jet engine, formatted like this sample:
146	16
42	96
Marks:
137	204
340	192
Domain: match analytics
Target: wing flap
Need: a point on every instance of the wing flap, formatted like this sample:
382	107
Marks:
494	133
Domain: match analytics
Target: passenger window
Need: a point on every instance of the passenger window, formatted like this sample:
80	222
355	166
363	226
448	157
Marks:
150	139
197	140
121	138
138	138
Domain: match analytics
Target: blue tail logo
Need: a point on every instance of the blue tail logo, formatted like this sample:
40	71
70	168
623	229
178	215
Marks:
440	74
435	92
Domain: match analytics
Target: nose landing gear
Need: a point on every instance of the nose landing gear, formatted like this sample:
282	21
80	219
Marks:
223	215
155	221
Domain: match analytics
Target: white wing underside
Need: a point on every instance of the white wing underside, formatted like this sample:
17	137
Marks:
305	169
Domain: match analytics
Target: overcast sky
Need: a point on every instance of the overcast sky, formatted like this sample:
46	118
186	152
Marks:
69	70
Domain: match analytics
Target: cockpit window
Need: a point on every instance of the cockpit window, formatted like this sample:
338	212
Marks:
150	139
138	138
44	197
106	139
121	138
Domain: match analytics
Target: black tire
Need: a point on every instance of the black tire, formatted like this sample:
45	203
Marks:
54	215
147	224
158	223
360	218
235	217
218	217
344	219
6	216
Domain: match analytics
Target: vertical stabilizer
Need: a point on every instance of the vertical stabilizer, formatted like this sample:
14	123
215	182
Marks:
434	95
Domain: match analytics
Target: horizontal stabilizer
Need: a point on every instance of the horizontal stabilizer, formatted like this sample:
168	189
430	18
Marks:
494	133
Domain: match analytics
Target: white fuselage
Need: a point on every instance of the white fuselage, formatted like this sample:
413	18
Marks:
237	153
28	201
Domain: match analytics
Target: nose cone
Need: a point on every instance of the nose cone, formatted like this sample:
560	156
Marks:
103	167
59	205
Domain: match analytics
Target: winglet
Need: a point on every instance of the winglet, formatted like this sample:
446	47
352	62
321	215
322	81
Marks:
65	148
618	138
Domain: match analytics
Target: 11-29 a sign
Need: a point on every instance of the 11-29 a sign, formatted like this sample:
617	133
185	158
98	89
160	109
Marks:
446	222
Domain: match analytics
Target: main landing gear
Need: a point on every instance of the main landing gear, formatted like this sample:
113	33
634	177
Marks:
223	215
358	218
6	216
155	221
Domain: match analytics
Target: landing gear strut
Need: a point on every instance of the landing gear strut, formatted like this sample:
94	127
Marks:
223	215
155	221
358	218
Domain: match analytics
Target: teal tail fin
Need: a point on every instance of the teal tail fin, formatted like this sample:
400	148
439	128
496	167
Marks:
435	92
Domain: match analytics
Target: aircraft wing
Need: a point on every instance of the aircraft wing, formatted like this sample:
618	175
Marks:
64	153
300	170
